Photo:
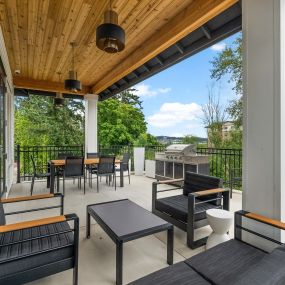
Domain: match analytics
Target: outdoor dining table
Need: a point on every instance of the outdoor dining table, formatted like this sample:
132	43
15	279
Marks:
55	163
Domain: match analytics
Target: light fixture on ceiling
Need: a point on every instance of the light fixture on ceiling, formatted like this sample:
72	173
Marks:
58	100
110	37
72	84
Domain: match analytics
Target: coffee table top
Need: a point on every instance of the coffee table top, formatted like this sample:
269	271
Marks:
125	220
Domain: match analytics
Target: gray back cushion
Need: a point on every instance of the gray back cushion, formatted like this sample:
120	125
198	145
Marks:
2	215
269	271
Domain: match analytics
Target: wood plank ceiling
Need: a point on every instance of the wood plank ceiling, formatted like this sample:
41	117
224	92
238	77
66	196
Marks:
37	34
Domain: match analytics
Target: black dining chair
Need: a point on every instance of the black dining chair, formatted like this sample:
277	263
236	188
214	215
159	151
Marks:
38	172
74	168
124	164
106	167
90	168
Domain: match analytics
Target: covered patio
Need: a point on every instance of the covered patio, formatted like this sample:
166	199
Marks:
35	42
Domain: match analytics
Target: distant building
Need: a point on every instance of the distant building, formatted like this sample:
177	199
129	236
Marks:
227	127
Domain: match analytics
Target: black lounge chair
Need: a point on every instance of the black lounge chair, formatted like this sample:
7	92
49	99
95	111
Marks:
39	248
188	210
234	262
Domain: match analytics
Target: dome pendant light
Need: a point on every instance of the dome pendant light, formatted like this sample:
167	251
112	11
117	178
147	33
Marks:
72	84
110	37
58	101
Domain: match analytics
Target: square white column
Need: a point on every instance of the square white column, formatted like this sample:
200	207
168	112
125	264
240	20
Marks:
264	109
91	135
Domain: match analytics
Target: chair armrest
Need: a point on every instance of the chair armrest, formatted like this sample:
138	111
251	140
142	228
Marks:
266	220
31	224
168	181
30	198
210	192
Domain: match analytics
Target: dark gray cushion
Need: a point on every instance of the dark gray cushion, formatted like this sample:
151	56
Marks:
177	274
177	207
226	262
269	271
33	247
2	215
194	182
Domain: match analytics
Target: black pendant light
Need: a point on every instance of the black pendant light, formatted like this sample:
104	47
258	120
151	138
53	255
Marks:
72	84
58	101
110	37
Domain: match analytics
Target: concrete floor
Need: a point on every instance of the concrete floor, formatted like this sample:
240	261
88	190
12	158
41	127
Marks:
97	255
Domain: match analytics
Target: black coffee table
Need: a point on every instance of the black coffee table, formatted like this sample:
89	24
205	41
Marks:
123	221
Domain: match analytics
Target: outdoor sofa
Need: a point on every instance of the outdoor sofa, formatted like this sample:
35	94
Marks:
38	248
234	262
187	211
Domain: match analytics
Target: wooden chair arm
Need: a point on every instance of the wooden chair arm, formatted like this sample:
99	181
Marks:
169	181
29	198
266	220
210	192
31	224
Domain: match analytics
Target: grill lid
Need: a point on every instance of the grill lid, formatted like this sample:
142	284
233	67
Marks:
183	149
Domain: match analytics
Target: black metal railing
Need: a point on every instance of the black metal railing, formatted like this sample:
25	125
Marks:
222	163
41	155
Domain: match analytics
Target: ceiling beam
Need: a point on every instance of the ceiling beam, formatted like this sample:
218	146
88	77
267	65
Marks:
206	32
179	47
191	18
50	86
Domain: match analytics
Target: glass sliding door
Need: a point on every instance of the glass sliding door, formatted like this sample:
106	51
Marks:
2	135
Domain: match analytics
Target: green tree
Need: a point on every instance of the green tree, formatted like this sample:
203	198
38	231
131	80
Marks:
189	139
120	119
229	62
38	122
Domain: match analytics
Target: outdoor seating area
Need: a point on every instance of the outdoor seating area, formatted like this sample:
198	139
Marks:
97	255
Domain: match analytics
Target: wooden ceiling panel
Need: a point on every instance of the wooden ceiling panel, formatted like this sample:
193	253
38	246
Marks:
37	34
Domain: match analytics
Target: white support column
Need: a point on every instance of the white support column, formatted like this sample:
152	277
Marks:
264	109
91	136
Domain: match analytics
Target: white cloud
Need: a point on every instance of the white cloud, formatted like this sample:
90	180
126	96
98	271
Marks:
171	114
144	90
219	46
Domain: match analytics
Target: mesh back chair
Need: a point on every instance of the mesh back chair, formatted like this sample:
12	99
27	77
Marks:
74	168
38	172
63	155
91	168
105	167
125	165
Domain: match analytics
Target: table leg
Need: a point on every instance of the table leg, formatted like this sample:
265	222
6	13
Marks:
87	224
48	179
119	263
52	176
170	237
121	175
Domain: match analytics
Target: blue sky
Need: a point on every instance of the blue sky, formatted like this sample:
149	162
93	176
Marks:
173	98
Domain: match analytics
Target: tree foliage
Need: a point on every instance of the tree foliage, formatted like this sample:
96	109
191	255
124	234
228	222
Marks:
214	116
188	139
229	61
37	122
120	121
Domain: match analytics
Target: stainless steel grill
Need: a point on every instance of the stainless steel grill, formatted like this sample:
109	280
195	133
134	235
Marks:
179	158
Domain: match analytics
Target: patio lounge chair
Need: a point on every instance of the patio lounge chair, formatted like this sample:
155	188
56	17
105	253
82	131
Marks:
230	263
188	210
38	248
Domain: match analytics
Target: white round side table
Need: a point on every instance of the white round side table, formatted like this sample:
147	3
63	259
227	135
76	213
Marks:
220	222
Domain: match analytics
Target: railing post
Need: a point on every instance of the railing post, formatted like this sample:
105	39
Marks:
18	164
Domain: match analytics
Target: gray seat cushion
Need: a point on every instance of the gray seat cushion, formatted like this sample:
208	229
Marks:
269	271
177	274
177	207
226	262
49	244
